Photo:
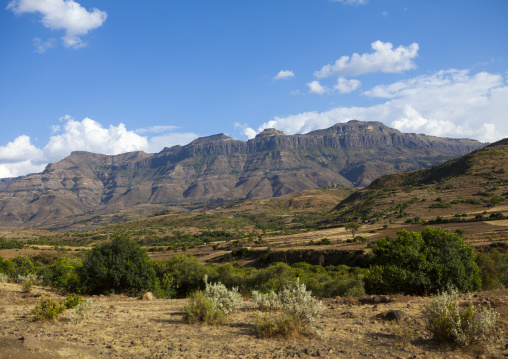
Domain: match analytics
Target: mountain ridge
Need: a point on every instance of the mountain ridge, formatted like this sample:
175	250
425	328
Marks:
217	169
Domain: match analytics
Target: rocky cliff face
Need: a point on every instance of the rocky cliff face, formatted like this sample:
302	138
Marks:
219	168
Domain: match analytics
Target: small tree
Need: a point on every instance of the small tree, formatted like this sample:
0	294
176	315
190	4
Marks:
120	266
422	263
352	227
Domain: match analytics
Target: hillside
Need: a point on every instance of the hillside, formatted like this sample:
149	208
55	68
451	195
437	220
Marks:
472	187
219	169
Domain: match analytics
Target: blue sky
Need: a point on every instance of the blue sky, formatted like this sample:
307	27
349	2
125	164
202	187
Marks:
117	76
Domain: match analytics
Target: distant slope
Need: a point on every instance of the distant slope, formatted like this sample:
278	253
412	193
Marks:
474	184
219	169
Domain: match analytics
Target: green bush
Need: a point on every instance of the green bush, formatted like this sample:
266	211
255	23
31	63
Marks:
72	300
47	309
119	266
422	263
493	264
185	271
62	274
325	241
463	328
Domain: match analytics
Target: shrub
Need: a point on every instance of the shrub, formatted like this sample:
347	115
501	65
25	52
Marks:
493	264
266	302
72	300
357	239
274	277
28	281
84	310
422	263
201	309
26	287
222	298
299	311
48	309
4	278
325	241
29	278
119	266
404	330
284	326
186	272
20	265
463	328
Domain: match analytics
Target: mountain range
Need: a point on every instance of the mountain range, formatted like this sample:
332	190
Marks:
219	169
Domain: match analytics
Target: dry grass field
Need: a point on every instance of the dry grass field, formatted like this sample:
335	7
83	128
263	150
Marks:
127	327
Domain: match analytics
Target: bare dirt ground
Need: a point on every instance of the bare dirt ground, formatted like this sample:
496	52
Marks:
132	328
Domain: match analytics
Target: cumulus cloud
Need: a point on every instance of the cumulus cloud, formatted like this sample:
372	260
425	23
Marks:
316	87
89	135
65	15
383	59
21	157
245	130
451	103
284	75
345	86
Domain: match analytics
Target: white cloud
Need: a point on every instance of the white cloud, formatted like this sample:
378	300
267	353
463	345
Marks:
65	15
352	2
245	130
450	103
284	75
316	87
383	59
345	86
19	149
42	46
89	135
21	157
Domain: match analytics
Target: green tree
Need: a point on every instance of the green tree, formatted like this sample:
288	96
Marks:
352	227
185	271
120	266
422	263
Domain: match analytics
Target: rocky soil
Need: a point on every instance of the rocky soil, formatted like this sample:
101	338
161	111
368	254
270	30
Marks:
128	327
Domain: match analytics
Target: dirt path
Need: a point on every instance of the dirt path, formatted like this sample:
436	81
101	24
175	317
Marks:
132	328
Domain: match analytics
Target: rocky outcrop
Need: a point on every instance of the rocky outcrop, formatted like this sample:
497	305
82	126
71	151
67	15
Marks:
218	169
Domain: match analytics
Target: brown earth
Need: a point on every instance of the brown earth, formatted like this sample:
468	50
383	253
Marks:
128	327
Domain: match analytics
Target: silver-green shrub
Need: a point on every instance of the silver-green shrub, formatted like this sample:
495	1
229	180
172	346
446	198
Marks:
223	299
446	322
299	309
84	310
297	301
266	302
29	278
4	278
